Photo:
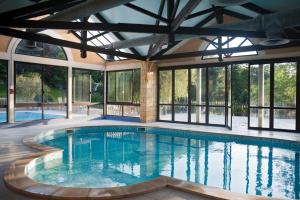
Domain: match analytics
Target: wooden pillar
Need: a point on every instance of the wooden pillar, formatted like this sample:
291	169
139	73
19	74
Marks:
148	92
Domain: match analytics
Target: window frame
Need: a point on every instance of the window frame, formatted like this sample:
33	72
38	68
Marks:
249	62
120	103
41	56
89	72
230	56
7	90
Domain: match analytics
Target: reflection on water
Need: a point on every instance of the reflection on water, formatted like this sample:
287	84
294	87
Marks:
106	159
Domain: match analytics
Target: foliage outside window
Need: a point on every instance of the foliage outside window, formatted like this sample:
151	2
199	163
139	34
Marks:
273	95
41	91
41	50
88	92
123	93
184	100
124	86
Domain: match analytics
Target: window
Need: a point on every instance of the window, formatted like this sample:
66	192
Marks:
230	42
87	93
273	95
41	92
101	38
123	93
216	95
183	95
3	91
39	49
165	95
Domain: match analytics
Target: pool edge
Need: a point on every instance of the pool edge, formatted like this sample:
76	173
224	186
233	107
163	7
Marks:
16	180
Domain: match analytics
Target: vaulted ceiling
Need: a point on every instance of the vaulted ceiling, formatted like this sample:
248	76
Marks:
149	28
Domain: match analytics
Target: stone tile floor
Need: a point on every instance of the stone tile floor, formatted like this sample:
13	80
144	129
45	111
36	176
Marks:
12	148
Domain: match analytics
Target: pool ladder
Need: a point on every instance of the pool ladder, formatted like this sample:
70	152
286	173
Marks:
70	131
141	129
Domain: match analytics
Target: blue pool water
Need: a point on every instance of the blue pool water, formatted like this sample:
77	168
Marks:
29	116
98	157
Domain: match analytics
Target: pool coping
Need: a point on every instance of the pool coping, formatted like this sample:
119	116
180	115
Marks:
16	179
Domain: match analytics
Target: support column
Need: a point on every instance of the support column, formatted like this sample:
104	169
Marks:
261	94
70	91
11	92
148	92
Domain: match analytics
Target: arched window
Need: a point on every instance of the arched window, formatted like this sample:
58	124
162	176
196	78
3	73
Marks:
230	42
40	49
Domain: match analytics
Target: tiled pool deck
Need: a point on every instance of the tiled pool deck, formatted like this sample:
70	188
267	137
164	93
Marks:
12	148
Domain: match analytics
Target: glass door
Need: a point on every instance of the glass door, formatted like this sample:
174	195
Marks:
55	92
28	92
3	91
259	91
41	92
273	96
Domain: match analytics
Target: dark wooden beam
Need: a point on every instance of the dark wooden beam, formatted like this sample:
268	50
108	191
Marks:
163	51
202	12
65	43
116	34
219	32
175	24
121	27
33	8
224	51
139	28
236	14
160	11
257	9
219	19
50	10
205	20
83	40
146	12
170	9
176	5
98	35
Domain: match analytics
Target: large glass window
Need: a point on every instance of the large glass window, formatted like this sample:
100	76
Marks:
260	95
273	95
165	95
216	95
285	86
123	93
55	97
87	93
39	49
3	91
198	95
230	42
183	95
41	92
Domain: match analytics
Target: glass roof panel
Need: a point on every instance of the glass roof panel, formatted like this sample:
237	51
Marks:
230	43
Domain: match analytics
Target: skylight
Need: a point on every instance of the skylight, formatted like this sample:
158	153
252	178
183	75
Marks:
230	42
101	40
